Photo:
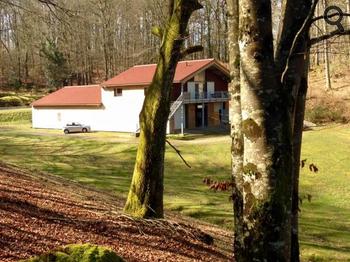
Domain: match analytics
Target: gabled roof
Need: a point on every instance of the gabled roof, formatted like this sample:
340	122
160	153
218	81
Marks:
89	95
142	75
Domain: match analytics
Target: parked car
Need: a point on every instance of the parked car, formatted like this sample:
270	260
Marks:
76	128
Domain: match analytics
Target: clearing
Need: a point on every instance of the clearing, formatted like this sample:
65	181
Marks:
104	161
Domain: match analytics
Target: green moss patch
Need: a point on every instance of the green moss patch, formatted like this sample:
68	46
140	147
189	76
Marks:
81	253
251	129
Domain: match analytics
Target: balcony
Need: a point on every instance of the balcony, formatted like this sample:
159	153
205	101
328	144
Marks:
205	97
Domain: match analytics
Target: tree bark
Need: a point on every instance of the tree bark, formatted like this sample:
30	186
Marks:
273	93
297	142
236	122
145	197
326	53
267	141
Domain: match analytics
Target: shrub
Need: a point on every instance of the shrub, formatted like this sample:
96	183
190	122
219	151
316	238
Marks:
322	114
25	100
8	101
2	94
82	253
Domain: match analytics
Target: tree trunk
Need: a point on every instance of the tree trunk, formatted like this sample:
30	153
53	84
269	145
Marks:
236	122
326	53
209	27
145	197
267	141
295	65
273	92
348	20
297	141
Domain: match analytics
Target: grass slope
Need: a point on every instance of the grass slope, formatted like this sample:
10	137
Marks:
23	115
105	160
325	221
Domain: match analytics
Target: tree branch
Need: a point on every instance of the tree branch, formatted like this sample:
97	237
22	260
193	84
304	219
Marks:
321	38
158	31
191	50
171	7
179	153
328	16
304	28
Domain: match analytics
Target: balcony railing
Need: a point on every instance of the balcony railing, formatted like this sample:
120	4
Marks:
205	97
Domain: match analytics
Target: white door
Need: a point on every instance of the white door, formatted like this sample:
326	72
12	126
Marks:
210	88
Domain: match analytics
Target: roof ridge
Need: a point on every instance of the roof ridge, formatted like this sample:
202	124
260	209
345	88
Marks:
144	65
197	60
83	86
183	61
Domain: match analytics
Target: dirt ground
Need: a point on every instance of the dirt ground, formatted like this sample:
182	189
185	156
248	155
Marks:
39	212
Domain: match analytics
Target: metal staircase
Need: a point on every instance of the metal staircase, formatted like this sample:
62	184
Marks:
175	105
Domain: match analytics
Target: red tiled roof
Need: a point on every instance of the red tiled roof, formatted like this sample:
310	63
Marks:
142	75
89	95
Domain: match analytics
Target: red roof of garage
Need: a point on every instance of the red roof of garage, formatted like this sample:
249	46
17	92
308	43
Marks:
142	75
89	95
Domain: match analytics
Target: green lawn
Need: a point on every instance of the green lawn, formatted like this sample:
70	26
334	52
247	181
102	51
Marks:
105	160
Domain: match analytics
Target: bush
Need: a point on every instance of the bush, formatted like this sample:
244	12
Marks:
322	114
16	115
25	100
8	101
2	94
81	253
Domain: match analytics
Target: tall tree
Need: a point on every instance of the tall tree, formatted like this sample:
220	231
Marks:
326	52
145	197
236	120
273	86
57	71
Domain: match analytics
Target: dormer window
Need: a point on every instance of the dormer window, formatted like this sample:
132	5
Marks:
118	92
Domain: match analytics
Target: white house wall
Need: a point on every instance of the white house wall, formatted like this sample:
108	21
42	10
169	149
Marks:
120	113
56	118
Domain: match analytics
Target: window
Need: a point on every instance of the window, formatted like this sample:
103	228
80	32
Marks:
118	92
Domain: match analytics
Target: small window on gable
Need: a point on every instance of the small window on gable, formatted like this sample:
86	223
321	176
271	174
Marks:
118	92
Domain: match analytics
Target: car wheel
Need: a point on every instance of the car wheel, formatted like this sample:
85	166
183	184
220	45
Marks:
84	130
66	131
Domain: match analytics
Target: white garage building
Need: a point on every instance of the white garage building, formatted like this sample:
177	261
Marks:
89	105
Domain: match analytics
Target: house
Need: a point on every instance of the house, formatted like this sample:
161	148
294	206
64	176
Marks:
200	99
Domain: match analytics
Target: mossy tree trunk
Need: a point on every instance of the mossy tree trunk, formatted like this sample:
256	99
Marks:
236	121
266	127
145	197
273	91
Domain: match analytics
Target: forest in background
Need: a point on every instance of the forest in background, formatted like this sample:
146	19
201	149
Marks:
86	41
48	44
